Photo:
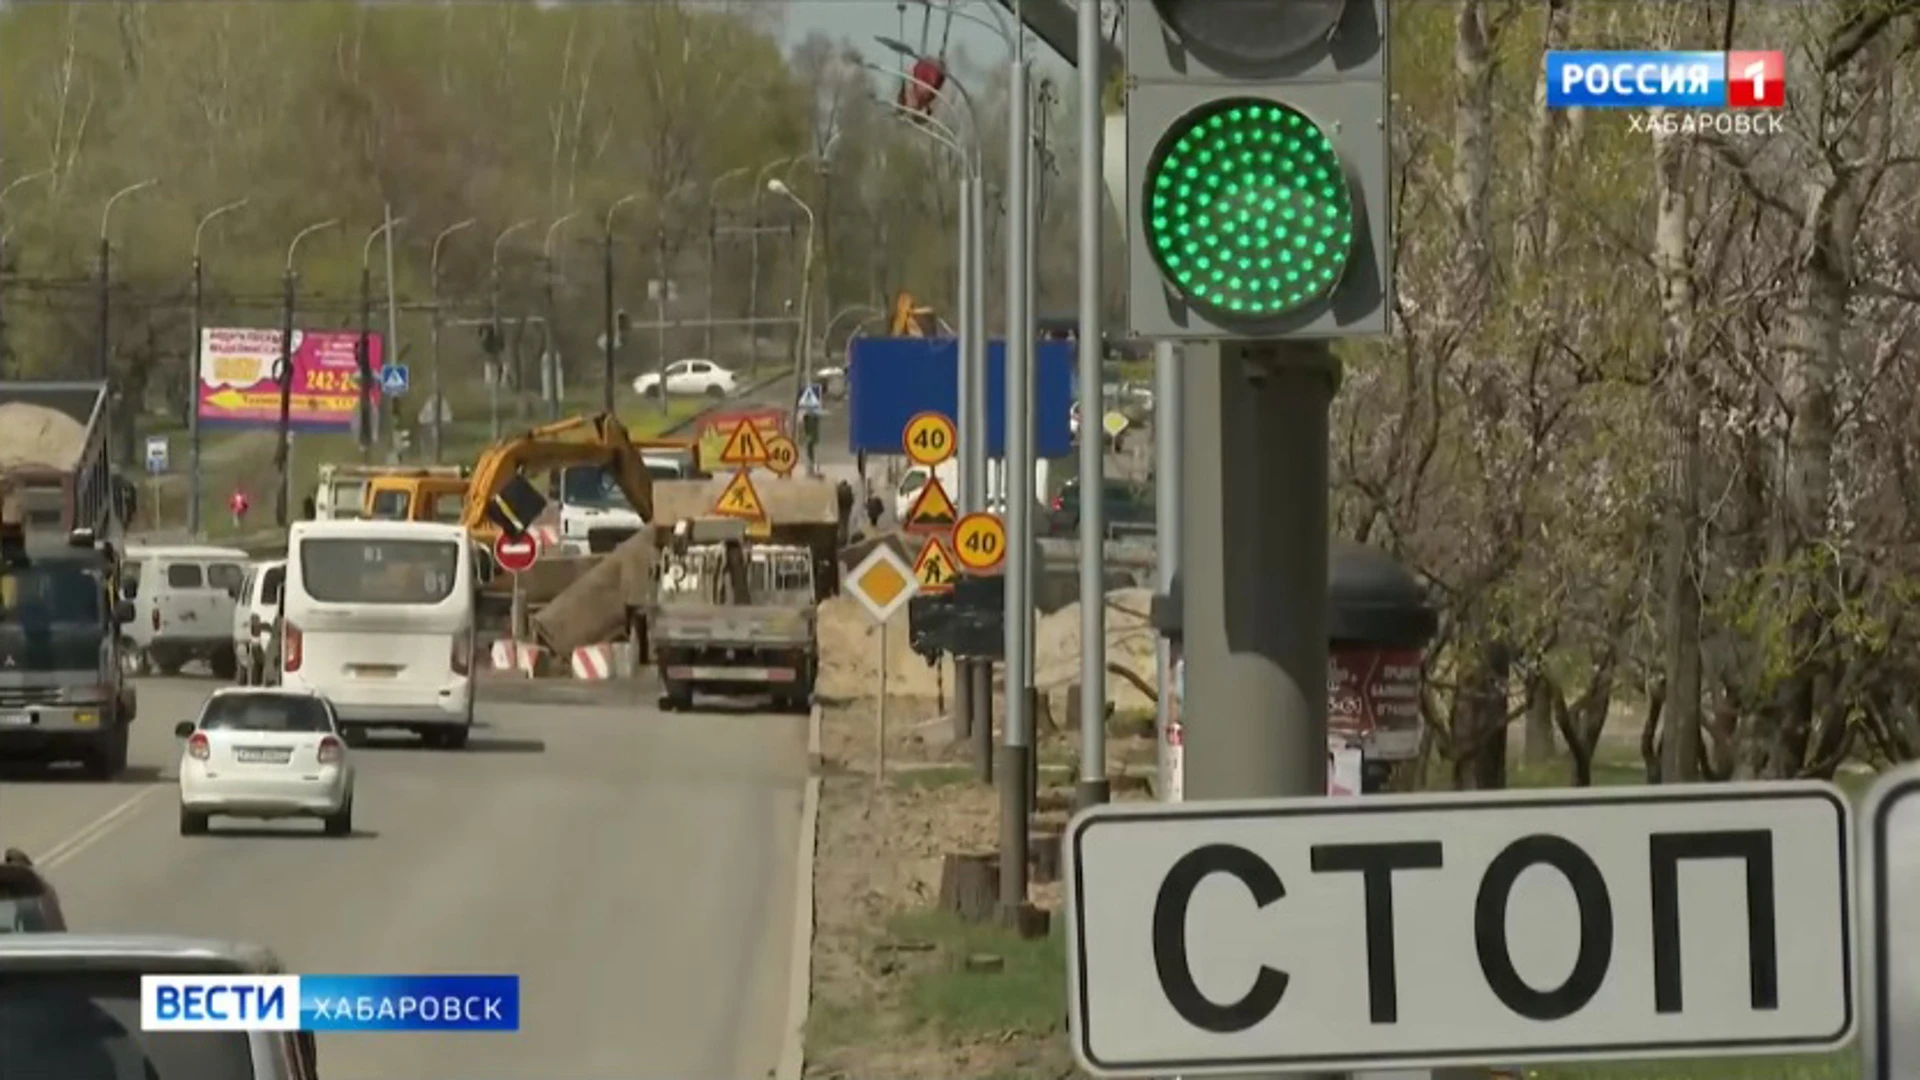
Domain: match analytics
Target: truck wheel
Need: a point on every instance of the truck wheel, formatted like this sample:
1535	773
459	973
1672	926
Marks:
107	759
224	664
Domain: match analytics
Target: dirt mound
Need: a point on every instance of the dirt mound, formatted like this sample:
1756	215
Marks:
850	651
36	437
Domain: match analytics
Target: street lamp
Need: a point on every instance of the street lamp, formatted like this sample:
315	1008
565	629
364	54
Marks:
713	241
194	383
106	215
283	373
607	341
550	355
495	342
800	363
363	348
826	336
437	404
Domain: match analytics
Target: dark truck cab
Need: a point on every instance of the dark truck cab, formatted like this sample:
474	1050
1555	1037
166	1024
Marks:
62	695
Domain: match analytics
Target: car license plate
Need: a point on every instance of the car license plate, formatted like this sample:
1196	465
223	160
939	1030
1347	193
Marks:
249	756
15	719
374	671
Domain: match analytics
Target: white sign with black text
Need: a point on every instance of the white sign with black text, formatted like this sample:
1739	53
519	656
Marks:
1409	931
1891	904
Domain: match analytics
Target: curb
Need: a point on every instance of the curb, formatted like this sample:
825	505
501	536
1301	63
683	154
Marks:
793	1046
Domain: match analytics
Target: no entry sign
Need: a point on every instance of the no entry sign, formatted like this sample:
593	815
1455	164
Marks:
516	553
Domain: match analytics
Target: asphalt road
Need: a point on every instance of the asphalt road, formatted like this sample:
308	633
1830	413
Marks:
636	869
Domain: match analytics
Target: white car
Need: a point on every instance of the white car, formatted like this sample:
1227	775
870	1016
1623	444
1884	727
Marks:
696	378
265	753
256	610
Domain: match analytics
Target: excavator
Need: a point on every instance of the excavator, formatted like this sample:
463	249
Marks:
592	453
910	318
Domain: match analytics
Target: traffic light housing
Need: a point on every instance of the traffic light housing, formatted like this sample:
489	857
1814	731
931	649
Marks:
1258	169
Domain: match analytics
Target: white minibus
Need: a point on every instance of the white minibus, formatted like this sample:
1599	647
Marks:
379	620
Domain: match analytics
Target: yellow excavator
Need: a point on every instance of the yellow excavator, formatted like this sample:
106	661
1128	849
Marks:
589	451
911	318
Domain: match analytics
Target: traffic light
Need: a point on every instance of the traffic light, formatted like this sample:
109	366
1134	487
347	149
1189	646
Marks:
1257	169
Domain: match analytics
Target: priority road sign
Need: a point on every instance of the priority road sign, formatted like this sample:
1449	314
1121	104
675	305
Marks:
516	554
394	379
882	582
1891	1049
1262	937
979	542
929	439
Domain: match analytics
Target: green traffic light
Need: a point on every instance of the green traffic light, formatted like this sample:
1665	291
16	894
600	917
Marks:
1248	211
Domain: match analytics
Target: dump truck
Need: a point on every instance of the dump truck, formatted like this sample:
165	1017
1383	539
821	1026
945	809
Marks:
389	492
734	617
614	600
55	459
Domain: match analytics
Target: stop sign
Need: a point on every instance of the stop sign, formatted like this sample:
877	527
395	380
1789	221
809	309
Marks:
515	553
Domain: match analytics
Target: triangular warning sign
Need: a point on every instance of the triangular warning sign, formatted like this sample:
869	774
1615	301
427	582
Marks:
739	499
932	510
747	446
934	568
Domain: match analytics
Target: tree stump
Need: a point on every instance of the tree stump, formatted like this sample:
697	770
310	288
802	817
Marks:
970	886
1043	852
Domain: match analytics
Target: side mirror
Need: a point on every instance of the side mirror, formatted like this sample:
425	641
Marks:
123	612
183	729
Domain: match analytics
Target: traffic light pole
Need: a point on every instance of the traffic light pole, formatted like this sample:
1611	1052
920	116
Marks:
1093	788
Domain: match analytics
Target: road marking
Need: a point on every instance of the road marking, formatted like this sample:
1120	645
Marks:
91	833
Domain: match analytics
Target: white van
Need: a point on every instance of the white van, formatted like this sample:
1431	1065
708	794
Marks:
378	618
183	599
254	615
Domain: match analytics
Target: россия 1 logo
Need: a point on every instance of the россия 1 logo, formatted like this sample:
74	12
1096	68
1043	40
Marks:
1673	81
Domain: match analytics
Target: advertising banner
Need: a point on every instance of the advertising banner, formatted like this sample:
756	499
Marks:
238	388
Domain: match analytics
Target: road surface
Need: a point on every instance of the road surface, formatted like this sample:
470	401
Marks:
636	869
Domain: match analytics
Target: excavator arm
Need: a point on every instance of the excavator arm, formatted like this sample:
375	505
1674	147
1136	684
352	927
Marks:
600	439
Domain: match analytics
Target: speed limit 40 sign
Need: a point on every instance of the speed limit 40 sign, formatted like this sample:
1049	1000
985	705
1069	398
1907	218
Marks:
979	542
929	439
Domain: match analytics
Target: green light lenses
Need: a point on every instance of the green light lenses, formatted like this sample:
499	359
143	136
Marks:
1247	208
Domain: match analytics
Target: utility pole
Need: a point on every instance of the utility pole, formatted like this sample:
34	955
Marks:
390	352
611	341
1017	758
283	373
194	492
496	343
363	346
550	354
438	404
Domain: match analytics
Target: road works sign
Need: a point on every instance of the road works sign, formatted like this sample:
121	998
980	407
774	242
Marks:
1413	931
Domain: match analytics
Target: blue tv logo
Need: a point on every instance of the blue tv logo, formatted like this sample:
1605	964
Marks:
1643	80
219	1003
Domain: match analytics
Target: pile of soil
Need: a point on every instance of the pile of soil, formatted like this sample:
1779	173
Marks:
850	651
36	437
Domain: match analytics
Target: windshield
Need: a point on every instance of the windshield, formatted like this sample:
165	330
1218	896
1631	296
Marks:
338	570
592	486
86	1026
391	505
347	496
265	712
48	594
270	585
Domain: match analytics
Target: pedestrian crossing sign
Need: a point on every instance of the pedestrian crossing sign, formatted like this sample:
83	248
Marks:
393	379
810	399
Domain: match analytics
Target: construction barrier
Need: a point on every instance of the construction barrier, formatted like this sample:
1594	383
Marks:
521	656
608	660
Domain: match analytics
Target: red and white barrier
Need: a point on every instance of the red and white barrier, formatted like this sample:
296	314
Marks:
518	656
547	536
593	662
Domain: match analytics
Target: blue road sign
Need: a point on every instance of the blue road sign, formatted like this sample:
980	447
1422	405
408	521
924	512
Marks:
393	379
891	379
810	399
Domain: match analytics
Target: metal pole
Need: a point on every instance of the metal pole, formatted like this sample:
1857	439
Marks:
390	351
103	346
550	352
194	492
499	339
973	444
606	320
283	373
363	356
1255	595
660	287
1016	763
966	407
1167	426
1094	786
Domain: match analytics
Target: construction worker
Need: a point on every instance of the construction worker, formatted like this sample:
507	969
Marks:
810	436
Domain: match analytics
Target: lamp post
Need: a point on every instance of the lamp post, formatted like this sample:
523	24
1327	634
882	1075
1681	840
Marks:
495	342
363	349
550	356
436	403
283	373
106	215
606	281
713	242
193	380
826	336
6	231
801	375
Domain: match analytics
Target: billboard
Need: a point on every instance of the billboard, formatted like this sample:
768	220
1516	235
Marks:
891	379
237	387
